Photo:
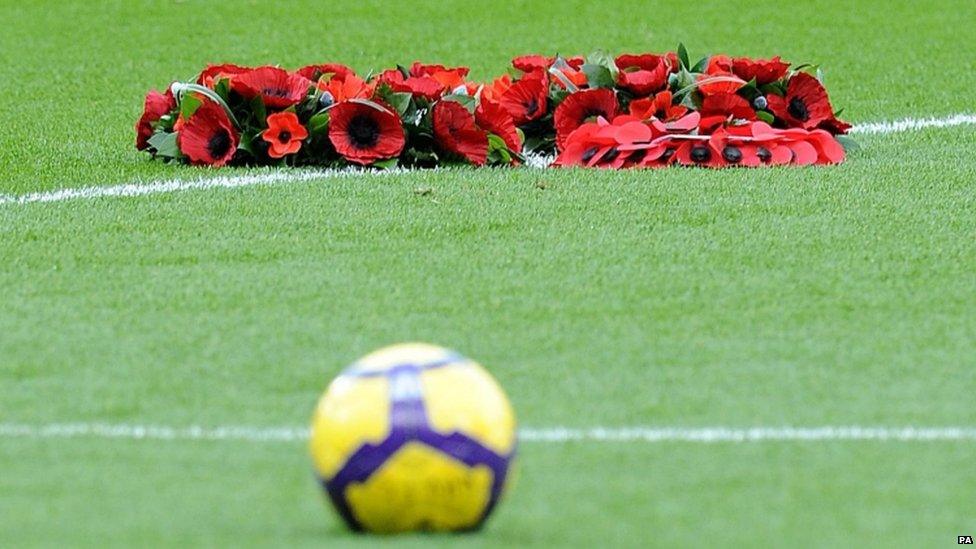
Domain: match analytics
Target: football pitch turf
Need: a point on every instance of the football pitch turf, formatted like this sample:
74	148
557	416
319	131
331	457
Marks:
676	298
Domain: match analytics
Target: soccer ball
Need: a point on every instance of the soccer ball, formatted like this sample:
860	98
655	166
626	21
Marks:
413	437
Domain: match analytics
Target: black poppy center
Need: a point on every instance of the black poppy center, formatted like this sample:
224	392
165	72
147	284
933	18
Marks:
611	155
219	144
588	154
700	153
668	153
531	106
637	156
731	154
798	109
284	136
363	132
764	154
591	113
275	92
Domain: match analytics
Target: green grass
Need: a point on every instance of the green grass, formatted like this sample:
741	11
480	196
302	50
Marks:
676	298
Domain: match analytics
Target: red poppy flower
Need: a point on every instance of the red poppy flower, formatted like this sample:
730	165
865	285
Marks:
643	74
660	107
493	118
346	87
425	87
449	77
763	70
456	132
718	77
685	124
156	105
719	83
634	142
284	134
806	104
829	151
423	69
719	64
699	153
208	137
314	72
804	153
494	91
624	142
526	100
585	146
835	126
566	76
214	73
581	106
735	152
719	108
363	132
768	144
278	88
673	61
532	63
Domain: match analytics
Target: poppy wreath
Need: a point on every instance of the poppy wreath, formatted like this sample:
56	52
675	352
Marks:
630	111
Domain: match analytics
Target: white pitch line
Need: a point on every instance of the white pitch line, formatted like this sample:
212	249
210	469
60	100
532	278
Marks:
297	176
551	435
914	124
175	185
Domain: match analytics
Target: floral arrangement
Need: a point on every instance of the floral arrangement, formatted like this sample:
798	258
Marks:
644	110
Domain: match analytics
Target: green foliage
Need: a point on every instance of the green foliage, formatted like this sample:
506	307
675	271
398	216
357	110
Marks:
189	105
683	57
598	76
164	144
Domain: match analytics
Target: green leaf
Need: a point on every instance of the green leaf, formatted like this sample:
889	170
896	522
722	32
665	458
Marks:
847	142
189	105
400	101
765	117
681	80
496	142
598	76
750	90
701	65
775	88
165	144
387	164
466	100
604	59
246	143
260	113
683	56
319	123
223	89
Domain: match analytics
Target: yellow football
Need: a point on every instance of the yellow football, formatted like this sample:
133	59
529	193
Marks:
413	437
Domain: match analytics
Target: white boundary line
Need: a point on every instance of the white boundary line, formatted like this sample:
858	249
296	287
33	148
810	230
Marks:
914	124
297	176
176	185
550	435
